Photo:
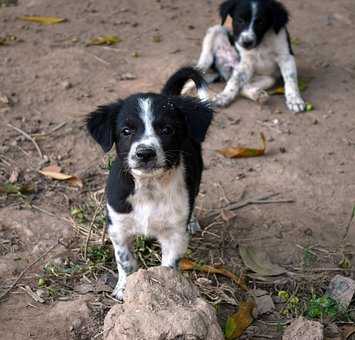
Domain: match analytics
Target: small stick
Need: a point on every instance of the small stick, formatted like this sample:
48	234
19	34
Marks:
349	223
260	200
13	285
91	226
56	128
28	137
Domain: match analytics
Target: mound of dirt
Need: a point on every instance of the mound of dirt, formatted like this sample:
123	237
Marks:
161	303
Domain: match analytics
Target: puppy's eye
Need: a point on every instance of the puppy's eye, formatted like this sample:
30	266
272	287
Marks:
127	131
240	21
167	130
259	21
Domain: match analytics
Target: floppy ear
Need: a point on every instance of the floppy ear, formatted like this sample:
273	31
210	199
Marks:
225	9
198	116
101	124
279	16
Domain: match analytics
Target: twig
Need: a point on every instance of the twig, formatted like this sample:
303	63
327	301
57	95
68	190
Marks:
28	137
13	285
49	213
97	210
56	128
349	223
32	294
316	270
258	200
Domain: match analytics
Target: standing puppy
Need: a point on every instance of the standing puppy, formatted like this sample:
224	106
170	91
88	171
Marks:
263	45
156	175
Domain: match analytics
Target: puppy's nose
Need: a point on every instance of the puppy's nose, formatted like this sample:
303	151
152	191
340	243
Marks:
146	154
247	43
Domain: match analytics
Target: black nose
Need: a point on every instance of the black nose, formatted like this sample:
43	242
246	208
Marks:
146	155
248	43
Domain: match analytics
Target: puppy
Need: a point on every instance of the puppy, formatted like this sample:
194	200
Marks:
156	175
263	51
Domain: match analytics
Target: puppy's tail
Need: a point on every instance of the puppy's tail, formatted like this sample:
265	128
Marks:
177	81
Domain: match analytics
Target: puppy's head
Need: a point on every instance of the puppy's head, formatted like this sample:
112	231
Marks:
252	19
149	130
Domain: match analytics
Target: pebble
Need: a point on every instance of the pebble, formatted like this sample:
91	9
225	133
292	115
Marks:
66	85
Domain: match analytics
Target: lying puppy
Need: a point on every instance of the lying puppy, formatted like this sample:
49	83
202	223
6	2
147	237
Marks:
156	175
263	50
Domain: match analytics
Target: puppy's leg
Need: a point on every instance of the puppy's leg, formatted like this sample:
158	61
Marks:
122	244
173	247
207	56
288	70
240	77
255	90
194	225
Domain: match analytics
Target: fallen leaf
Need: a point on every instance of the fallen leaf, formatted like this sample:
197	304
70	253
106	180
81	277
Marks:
280	90
9	39
348	331
238	322
259	262
54	172
227	215
239	152
157	38
14	176
104	40
295	41
309	107
43	20
186	264
10	188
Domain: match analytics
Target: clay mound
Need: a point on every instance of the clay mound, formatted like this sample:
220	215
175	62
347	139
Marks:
160	303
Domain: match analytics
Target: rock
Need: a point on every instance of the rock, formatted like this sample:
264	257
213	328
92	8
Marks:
127	76
263	301
160	303
342	290
303	329
66	85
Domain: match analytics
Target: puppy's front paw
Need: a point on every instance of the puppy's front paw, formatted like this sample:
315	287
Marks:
295	103
221	100
193	226
118	293
262	97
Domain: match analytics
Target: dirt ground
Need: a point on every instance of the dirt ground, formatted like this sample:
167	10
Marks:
50	77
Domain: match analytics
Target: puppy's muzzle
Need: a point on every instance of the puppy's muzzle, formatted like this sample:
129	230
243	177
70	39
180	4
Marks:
248	43
145	157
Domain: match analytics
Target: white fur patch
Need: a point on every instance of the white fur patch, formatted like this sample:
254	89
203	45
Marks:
149	138
249	34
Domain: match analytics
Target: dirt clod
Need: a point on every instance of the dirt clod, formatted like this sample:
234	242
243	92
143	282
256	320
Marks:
161	303
303	329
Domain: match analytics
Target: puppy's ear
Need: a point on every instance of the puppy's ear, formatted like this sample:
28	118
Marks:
197	115
101	124
279	15
225	9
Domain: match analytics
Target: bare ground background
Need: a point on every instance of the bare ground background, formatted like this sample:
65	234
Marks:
51	77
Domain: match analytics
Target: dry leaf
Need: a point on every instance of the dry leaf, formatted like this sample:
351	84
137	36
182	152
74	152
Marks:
240	321
227	215
280	90
9	39
104	40
43	20
259	262
186	264
14	176
239	152
54	172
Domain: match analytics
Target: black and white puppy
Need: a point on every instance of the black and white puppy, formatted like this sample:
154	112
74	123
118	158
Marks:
263	51
156	175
